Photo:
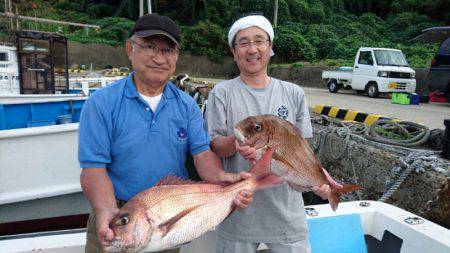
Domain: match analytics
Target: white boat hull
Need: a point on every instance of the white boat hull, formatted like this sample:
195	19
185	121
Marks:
39	173
376	218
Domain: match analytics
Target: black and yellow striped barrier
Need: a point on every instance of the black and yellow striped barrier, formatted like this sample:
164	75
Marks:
349	115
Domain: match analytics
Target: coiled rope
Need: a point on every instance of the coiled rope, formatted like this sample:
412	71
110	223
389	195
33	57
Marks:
403	133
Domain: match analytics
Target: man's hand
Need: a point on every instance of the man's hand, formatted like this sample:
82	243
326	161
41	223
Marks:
103	218
249	153
324	191
245	197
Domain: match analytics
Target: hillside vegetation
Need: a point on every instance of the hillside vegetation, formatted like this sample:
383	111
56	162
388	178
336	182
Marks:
308	31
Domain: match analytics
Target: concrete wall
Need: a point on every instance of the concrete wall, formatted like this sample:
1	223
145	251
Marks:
304	76
200	66
101	56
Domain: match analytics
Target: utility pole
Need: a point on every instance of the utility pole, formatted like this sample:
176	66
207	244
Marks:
34	6
141	8
149	4
17	20
10	18
275	14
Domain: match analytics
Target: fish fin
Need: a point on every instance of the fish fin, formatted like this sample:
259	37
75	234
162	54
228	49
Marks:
261	171
174	180
167	225
298	188
336	192
269	181
262	166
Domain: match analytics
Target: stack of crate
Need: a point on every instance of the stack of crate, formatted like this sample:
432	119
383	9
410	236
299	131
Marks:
437	97
405	98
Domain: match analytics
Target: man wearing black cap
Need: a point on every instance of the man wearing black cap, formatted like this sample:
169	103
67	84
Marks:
136	131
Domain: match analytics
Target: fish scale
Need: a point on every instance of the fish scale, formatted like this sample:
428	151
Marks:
211	200
293	161
176	211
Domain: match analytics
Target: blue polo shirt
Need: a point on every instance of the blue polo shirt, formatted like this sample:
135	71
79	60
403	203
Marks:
118	131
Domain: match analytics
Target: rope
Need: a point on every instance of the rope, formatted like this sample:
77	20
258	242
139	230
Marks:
416	161
342	130
396	185
386	131
358	192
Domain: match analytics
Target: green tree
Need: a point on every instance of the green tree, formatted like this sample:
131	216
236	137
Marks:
404	26
205	38
220	12
291	46
128	9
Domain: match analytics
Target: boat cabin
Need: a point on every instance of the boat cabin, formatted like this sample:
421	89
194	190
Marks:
35	63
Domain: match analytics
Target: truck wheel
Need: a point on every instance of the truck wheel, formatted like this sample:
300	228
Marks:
372	90
333	86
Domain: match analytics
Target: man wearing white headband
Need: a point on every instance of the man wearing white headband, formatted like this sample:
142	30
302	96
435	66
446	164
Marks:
276	217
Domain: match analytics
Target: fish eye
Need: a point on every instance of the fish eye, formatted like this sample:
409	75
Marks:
258	127
123	220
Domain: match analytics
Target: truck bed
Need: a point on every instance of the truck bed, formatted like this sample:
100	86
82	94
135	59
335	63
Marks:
338	75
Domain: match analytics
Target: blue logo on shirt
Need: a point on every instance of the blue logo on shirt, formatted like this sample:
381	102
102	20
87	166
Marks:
181	134
283	112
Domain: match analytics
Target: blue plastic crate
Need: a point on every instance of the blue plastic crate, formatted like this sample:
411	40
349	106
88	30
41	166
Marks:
415	99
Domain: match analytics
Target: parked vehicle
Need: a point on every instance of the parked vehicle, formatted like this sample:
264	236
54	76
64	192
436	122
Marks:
438	79
375	70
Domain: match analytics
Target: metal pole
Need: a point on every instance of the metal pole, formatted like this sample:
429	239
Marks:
149	4
45	20
11	19
141	8
275	14
35	23
17	20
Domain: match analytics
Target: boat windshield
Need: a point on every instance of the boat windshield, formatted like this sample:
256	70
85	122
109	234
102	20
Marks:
390	58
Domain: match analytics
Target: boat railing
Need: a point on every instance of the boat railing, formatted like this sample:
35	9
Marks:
86	83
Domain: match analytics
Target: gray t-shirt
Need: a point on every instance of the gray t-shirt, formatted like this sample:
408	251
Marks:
276	214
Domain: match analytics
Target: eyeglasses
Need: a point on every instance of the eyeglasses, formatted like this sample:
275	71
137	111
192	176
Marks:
246	43
152	50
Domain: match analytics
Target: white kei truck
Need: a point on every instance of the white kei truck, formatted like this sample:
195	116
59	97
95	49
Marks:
375	71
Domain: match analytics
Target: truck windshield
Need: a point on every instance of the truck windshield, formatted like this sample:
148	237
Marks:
390	58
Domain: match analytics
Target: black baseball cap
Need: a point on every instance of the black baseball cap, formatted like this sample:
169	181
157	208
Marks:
154	24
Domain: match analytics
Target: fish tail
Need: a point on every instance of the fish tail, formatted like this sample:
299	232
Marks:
336	192
261	171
